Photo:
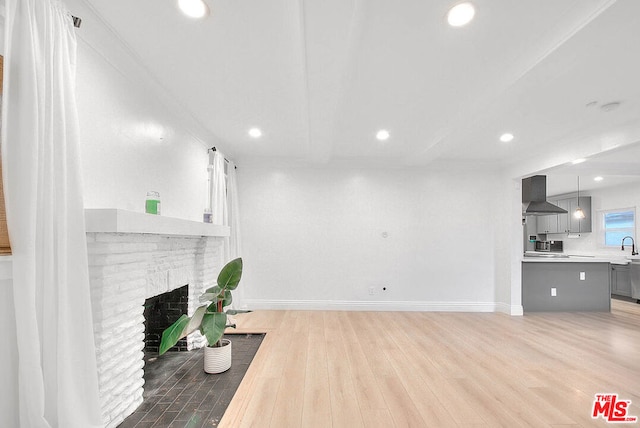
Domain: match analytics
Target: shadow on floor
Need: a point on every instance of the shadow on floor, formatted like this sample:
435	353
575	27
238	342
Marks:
625	298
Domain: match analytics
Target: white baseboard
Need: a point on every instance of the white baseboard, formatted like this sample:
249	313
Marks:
349	305
517	310
505	308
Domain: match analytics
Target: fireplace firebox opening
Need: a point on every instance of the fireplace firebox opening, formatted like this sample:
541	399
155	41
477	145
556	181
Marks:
159	313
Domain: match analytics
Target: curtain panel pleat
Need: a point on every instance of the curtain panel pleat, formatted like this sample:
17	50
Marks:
57	374
223	196
218	190
233	244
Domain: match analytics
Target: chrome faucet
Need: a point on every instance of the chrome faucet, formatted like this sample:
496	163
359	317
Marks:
633	245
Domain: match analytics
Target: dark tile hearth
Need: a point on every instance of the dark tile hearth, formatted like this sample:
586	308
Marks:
178	393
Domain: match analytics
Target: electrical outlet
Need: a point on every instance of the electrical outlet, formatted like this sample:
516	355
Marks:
583	276
372	290
553	292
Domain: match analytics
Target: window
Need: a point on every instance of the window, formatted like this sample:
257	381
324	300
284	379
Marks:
617	224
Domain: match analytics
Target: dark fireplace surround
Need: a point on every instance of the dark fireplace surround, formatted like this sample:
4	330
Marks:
159	313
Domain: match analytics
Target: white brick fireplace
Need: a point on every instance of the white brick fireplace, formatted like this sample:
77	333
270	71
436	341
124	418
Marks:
132	257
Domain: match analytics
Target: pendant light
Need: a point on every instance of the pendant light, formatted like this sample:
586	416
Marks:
578	213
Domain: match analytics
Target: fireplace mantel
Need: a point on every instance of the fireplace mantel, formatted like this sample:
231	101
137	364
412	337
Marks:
110	220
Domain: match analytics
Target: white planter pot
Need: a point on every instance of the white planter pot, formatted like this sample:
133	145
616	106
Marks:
217	360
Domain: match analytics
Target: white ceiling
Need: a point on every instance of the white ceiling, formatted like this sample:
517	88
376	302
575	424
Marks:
617	167
321	77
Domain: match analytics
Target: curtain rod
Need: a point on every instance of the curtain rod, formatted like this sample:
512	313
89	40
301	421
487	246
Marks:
213	149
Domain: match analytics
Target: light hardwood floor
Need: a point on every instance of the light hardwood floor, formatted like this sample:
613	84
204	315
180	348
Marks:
435	369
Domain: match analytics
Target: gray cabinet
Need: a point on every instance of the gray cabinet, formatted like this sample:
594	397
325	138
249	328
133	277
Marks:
563	219
547	224
556	286
577	225
621	280
566	223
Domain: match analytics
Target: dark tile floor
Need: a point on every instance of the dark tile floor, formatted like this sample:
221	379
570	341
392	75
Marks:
178	393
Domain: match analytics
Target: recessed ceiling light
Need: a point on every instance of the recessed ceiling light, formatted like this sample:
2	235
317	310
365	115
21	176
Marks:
382	135
506	137
577	161
255	133
193	8
461	14
598	178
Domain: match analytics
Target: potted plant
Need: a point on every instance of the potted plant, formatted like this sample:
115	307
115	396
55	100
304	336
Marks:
210	319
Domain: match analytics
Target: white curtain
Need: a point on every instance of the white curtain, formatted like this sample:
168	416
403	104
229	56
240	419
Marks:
57	375
224	209
218	190
233	248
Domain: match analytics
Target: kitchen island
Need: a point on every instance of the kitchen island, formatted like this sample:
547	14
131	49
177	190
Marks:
566	284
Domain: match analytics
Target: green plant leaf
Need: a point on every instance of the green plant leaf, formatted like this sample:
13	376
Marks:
213	325
207	297
227	299
196	320
213	290
209	319
230	275
173	333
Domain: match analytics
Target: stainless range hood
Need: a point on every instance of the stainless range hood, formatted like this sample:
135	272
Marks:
534	197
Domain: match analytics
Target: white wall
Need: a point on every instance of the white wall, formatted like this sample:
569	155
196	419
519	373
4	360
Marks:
314	238
132	143
449	231
441	251
508	231
625	196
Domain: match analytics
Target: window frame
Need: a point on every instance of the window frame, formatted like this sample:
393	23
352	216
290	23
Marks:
602	231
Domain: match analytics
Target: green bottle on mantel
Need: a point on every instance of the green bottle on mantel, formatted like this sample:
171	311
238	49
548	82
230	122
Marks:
152	204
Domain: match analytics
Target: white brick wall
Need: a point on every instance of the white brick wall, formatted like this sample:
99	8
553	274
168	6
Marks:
126	269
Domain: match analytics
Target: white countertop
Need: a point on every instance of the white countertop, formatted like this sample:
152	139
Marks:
565	260
576	258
